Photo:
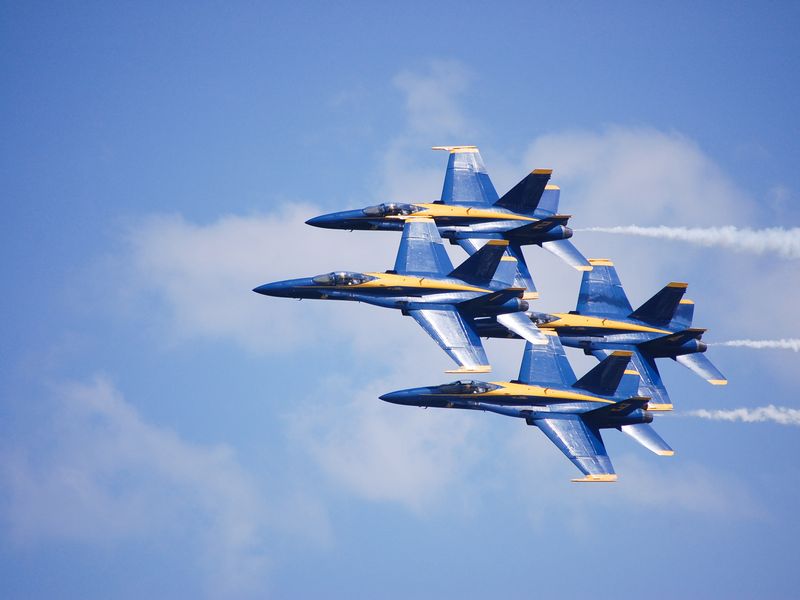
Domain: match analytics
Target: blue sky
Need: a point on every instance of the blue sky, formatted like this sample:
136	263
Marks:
165	432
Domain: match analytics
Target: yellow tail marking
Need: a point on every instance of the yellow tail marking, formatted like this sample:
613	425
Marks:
455	149
542	171
686	301
677	284
600	262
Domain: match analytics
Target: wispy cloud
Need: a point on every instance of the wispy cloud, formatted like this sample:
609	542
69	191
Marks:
105	474
773	240
783	344
770	413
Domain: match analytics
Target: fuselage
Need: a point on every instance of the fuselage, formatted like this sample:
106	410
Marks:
390	290
513	399
453	221
598	332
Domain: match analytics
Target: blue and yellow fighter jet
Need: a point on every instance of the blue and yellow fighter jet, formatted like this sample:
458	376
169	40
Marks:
470	212
546	394
424	285
604	321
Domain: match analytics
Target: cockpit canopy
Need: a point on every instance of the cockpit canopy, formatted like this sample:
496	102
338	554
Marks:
542	318
466	387
342	278
390	209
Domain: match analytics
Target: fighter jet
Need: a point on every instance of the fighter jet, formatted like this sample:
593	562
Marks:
470	212
424	285
570	413
604	321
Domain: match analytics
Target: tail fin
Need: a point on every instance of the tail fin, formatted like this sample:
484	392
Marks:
522	276
548	205
466	180
526	195
661	308
481	266
647	437
601	290
703	367
546	363
649	379
683	314
605	378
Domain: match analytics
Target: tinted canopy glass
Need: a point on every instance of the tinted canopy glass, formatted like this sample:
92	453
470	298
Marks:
341	278
391	209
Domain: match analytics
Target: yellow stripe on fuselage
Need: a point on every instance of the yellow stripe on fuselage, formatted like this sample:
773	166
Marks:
520	389
386	280
568	320
447	210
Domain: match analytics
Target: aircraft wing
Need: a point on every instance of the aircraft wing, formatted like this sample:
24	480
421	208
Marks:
581	443
456	336
421	250
466	181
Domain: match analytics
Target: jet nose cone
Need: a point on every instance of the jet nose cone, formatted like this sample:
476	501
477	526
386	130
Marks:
394	397
316	221
328	221
270	289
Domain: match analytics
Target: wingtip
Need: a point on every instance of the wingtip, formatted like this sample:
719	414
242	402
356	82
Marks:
607	478
478	369
718	381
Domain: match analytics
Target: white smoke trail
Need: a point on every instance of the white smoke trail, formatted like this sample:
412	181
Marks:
777	240
772	413
784	344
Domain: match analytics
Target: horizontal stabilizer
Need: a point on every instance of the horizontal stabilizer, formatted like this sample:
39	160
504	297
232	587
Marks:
647	437
521	324
421	250
566	251
660	345
481	266
601	291
466	180
605	378
703	367
477	305
581	443
660	309
608	412
546	364
534	233
525	196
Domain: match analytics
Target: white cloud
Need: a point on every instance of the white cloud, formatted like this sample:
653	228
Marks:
384	452
97	473
646	483
761	414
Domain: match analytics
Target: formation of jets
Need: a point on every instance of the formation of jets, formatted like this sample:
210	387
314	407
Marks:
489	294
